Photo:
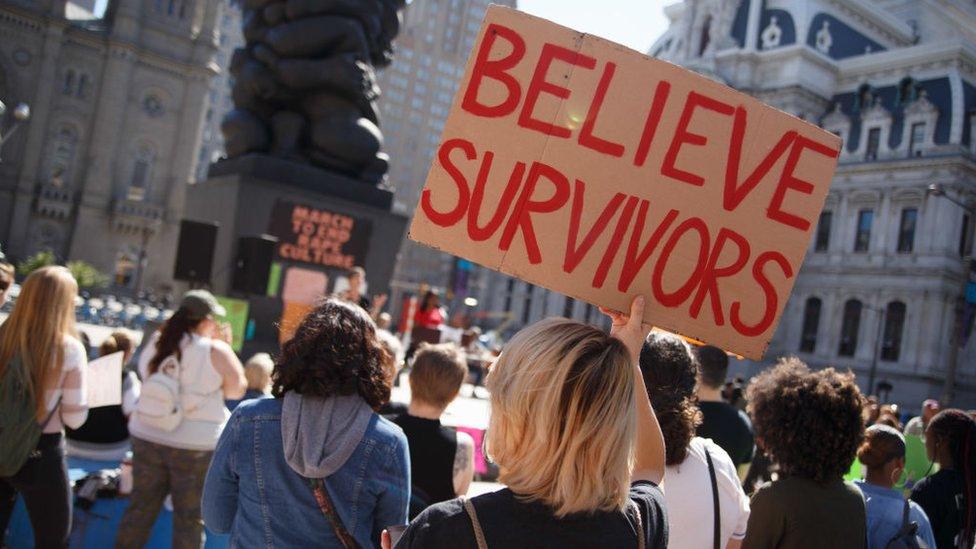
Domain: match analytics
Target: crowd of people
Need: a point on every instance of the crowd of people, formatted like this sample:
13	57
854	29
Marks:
616	439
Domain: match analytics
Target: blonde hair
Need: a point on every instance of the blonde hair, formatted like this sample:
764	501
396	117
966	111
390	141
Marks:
43	315
257	372
437	373
562	421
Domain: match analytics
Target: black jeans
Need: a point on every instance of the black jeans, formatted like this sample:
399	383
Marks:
43	482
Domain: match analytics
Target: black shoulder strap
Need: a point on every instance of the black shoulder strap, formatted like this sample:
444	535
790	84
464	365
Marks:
50	415
904	516
717	526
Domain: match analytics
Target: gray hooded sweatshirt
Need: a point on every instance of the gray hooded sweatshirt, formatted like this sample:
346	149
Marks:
320	434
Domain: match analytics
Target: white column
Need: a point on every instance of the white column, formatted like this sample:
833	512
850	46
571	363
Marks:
752	25
840	221
882	225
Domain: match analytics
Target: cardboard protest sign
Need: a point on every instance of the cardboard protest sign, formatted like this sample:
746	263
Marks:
237	315
104	380
577	164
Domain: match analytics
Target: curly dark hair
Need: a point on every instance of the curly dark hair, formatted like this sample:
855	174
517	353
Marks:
669	372
808	422
335	351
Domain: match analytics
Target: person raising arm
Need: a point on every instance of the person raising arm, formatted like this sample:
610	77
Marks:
649	452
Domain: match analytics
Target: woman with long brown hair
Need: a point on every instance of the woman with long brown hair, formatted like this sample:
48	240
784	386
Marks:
39	348
187	374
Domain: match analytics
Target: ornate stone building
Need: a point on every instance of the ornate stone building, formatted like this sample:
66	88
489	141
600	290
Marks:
100	171
896	79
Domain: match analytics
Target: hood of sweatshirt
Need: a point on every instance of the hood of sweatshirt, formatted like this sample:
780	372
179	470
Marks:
320	434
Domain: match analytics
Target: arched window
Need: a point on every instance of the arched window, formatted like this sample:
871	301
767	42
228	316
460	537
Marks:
893	327
62	156
811	322
125	268
705	36
68	86
84	86
141	173
849	328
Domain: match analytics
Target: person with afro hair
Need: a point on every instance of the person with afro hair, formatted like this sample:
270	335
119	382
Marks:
809	423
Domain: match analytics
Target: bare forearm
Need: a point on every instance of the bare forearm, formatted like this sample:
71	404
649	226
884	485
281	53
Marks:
650	457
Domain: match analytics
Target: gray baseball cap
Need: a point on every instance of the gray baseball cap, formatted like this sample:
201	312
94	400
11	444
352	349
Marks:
201	303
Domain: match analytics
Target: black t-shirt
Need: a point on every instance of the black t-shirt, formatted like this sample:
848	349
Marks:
433	449
728	427
941	497
392	409
510	523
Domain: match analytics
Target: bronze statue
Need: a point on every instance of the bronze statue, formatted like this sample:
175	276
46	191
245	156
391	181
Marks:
304	85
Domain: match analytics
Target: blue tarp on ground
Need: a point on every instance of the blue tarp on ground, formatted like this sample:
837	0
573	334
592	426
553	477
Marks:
96	527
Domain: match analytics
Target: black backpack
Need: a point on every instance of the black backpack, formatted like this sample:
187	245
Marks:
906	537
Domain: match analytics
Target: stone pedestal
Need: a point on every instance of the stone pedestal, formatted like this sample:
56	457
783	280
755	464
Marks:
244	194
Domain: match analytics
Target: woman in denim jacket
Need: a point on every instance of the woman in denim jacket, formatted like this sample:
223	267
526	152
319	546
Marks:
321	430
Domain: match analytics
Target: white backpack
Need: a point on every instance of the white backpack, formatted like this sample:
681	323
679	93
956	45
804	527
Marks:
161	400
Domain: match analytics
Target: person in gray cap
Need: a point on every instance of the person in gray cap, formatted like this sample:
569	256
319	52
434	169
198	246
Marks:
172	442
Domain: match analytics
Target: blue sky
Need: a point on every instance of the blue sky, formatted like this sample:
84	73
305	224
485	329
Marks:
633	23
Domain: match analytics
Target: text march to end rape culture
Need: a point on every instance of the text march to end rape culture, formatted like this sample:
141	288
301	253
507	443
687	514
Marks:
590	169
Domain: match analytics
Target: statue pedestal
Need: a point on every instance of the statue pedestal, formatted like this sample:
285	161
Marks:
325	222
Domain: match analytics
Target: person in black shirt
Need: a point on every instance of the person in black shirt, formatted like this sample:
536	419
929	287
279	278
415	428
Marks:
727	426
948	496
441	458
105	434
569	418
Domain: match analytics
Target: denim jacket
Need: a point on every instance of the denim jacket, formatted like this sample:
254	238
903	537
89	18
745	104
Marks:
252	493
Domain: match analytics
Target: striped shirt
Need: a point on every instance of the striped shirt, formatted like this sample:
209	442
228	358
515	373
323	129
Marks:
71	389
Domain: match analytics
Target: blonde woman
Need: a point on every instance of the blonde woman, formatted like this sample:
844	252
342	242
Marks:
257	372
576	442
39	339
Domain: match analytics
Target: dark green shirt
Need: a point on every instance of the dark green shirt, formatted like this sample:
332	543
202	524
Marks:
798	513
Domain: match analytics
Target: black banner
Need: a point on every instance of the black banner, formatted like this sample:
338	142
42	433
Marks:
319	237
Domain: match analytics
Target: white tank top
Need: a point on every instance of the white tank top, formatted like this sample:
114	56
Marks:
204	412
